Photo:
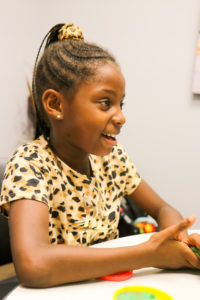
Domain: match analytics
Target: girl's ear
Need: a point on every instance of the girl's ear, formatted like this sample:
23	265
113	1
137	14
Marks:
53	104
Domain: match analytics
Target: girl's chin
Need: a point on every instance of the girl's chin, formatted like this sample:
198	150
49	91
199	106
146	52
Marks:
102	152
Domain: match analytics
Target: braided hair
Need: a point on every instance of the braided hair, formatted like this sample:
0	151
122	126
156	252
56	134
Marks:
63	66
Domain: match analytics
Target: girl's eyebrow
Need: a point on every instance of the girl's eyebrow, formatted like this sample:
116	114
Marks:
113	93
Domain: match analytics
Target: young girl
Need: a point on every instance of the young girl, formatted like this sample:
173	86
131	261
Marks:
63	190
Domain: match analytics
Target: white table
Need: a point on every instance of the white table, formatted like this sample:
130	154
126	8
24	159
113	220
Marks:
181	285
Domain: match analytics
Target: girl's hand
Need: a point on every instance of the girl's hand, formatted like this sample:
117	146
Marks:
170	253
193	240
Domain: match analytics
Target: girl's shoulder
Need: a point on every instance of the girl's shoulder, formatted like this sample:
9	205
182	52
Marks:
36	150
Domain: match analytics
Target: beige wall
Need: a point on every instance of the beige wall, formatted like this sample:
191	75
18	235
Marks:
155	42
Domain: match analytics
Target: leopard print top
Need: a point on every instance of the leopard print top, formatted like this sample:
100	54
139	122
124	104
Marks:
82	210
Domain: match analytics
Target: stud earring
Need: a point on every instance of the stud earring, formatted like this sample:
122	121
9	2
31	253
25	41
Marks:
58	116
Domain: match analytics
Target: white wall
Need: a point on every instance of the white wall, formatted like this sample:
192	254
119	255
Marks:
155	43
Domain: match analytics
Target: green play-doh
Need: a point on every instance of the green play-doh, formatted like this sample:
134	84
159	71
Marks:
136	296
139	292
196	251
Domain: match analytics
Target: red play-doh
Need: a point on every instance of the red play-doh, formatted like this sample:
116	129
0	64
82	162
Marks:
118	276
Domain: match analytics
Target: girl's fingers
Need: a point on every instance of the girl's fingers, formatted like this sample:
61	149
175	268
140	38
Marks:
174	230
179	237
193	240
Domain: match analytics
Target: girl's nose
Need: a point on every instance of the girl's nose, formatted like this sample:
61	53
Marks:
118	118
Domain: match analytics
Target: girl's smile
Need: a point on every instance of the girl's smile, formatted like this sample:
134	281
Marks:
111	138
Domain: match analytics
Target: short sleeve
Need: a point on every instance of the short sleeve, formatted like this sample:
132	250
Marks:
23	180
131	176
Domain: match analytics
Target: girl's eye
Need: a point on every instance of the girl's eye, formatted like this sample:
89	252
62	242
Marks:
105	103
122	104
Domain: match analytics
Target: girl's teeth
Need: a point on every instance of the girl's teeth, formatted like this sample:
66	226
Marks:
112	135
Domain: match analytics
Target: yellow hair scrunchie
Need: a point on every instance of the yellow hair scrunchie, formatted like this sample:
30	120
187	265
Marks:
70	31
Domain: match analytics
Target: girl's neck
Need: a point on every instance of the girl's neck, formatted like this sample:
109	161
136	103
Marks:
74	157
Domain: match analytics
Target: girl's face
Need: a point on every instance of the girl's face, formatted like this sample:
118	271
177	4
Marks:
93	119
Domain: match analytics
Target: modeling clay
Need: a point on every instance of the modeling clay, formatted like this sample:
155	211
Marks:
118	276
135	292
136	296
145	224
195	250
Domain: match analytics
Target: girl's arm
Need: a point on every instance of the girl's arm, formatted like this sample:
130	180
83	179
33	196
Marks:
41	264
162	212
146	198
